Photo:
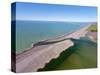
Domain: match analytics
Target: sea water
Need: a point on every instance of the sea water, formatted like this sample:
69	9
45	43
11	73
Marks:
29	32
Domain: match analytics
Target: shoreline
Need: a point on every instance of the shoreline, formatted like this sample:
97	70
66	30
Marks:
45	52
56	39
38	59
65	58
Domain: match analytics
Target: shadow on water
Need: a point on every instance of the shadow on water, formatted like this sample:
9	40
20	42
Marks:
82	55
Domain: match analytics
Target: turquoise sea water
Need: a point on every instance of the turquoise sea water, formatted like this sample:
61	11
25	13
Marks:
28	32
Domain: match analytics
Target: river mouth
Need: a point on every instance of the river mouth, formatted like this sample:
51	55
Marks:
82	55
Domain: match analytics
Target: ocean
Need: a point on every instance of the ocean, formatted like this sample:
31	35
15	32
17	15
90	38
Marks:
29	32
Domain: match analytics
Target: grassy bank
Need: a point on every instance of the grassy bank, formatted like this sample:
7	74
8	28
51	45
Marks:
81	55
92	28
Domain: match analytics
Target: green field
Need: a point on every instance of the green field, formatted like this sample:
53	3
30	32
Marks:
93	28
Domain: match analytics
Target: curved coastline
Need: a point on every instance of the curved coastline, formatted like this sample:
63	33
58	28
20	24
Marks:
44	48
62	37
